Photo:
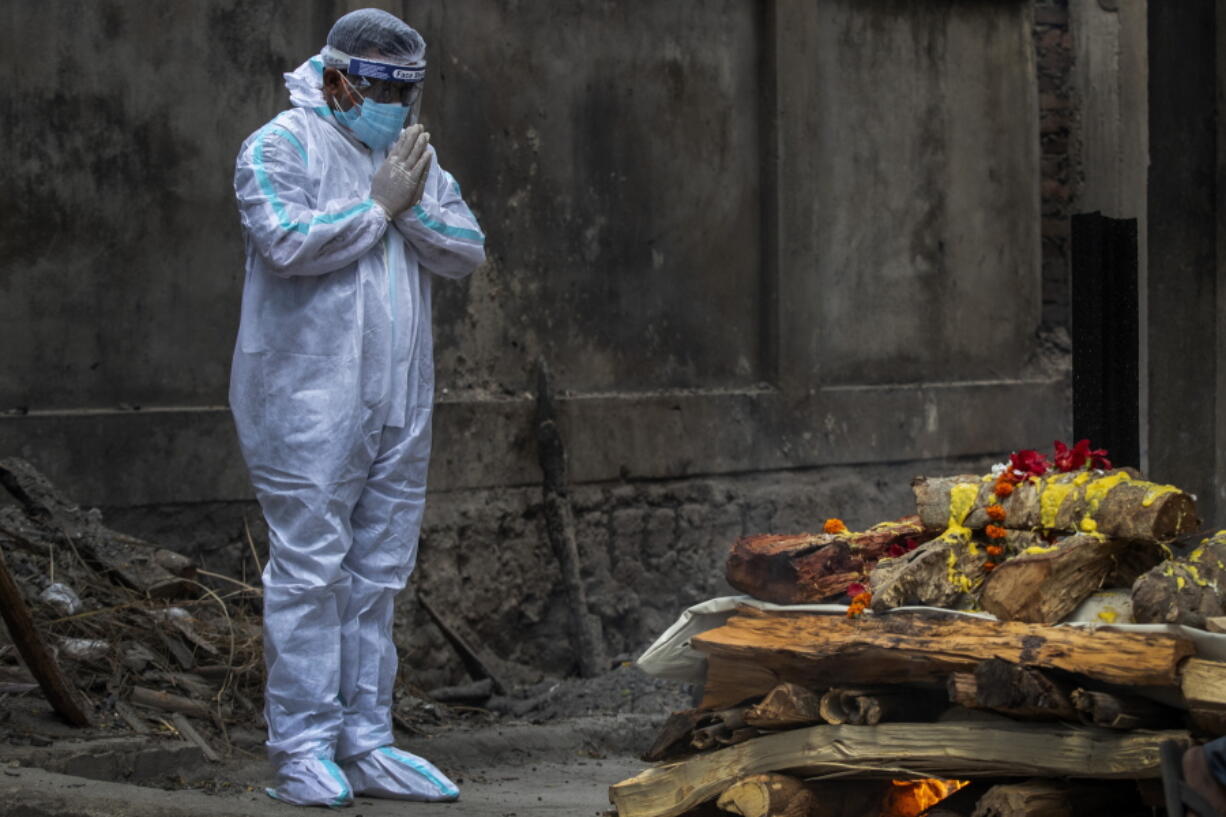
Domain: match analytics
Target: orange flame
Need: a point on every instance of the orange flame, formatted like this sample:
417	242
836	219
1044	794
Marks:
911	798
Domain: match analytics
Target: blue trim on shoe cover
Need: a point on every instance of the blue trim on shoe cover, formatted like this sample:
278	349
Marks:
448	791
337	775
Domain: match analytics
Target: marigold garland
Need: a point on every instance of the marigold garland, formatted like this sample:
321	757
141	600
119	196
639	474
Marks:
859	604
996	513
995	532
1003	488
994	550
989	566
834	526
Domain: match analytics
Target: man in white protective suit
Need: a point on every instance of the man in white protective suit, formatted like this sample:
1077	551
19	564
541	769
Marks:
348	219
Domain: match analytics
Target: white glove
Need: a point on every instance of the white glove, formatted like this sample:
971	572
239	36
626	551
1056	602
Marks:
398	183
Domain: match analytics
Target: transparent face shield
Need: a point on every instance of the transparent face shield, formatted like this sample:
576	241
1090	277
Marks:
378	81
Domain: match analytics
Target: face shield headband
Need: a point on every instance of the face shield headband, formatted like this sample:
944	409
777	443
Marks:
373	69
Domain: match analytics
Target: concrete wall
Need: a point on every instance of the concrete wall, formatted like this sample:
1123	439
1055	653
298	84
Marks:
762	245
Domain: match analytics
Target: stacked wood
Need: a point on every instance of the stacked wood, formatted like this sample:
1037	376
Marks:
812	567
1184	591
764	649
945	572
1012	689
1119	505
1046	586
886	751
1058	798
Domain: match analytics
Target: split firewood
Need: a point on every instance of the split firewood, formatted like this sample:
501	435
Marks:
1185	591
1114	503
1203	684
1112	711
1013	690
42	664
818	651
675	735
812	567
768	795
945	750
869	707
945	572
717	729
785	707
1057	798
56	521
1045	585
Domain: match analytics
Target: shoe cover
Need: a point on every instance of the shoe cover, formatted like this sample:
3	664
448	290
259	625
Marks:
391	773
311	781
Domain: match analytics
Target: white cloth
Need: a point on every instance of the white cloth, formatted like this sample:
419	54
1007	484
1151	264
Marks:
332	388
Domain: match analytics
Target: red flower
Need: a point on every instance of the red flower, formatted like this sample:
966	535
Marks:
1029	462
854	589
1075	458
895	550
910	544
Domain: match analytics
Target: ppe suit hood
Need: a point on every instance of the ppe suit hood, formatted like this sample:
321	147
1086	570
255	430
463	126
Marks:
305	85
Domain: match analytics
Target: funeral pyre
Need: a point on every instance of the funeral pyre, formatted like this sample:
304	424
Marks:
1023	644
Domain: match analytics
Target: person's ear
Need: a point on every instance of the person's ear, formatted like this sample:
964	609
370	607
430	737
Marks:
334	89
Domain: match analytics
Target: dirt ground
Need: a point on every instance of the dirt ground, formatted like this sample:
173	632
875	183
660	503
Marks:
567	743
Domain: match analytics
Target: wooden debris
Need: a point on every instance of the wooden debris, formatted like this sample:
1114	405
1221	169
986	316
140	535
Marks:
156	699
1112	711
53	519
925	576
960	751
478	665
768	795
1045	587
768	648
586	637
189	732
476	692
1203	684
1119	505
59	693
1056	798
806	568
718	728
134	721
785	707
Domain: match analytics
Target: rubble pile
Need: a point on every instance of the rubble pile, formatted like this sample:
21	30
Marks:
1023	644
117	632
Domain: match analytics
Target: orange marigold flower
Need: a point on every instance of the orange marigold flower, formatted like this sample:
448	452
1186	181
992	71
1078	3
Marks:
1003	489
855	609
989	566
995	532
994	550
996	513
863	599
834	526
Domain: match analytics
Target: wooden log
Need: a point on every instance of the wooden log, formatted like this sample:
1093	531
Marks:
717	727
1021	692
132	562
674	737
1203	684
475	662
1057	798
55	687
785	707
1183	591
1045	587
963	689
768	795
812	567
869	707
1112	711
1117	505
819	651
587	639
960	750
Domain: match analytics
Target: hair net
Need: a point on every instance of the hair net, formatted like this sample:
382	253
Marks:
367	32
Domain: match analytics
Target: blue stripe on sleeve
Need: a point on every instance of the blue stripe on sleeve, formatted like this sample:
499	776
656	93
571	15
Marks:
274	200
447	229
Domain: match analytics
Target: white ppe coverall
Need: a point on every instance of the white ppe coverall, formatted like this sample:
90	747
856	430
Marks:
332	388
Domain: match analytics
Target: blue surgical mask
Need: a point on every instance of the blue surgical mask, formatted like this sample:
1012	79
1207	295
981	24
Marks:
376	124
